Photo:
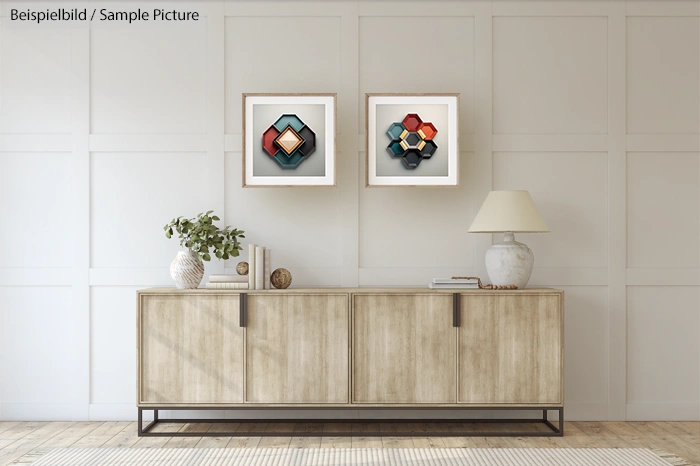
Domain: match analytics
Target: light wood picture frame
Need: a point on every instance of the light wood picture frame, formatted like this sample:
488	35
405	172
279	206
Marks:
289	140
412	140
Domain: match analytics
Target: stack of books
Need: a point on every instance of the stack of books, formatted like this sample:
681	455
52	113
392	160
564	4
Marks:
259	265
228	282
454	283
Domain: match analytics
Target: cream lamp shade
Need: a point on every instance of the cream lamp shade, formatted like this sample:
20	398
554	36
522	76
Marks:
513	211
509	212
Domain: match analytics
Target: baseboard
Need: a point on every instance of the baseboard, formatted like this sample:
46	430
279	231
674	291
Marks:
574	411
581	411
114	412
663	411
43	412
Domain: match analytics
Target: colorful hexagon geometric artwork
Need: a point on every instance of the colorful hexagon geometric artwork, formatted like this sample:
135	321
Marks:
412	140
289	141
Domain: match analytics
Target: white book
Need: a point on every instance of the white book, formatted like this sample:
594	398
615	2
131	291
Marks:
228	278
456	286
251	266
260	268
227	286
455	280
268	272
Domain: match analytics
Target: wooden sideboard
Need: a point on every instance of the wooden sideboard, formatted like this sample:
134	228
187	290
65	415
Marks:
350	348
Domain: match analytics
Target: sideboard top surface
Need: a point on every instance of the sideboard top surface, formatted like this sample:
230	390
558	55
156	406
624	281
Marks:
365	290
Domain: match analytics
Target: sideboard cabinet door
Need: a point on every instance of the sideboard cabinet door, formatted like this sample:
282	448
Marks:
190	349
511	349
404	349
297	348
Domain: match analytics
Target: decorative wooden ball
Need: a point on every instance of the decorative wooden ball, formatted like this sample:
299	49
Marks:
242	268
281	279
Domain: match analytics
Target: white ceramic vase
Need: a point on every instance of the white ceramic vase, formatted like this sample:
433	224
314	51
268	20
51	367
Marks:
509	262
187	270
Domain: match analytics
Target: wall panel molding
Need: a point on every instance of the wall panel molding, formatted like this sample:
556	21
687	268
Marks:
348	173
436	7
409	276
36	143
44	412
216	114
36	276
149	142
617	200
569	276
663	411
663	143
80	74
617	205
663	8
281	8
483	122
586	411
550	143
337	216
663	276
546	8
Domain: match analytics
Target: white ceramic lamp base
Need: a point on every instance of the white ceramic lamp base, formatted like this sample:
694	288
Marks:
509	262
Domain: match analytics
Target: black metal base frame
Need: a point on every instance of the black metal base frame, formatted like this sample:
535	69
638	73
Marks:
554	431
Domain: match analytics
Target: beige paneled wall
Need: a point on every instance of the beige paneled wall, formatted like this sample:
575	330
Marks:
593	106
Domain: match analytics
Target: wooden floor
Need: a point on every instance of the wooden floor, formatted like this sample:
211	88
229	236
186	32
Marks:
19	438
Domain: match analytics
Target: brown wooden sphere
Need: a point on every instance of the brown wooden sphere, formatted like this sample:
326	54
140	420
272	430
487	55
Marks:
242	268
281	279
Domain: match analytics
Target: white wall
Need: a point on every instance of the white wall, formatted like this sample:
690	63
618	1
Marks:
593	106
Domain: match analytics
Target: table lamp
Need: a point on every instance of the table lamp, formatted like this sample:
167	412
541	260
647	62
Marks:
509	212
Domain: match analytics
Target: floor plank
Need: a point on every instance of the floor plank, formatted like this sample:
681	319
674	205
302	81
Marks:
683	446
72	434
124	439
366	442
31	441
336	442
101	435
277	442
218	442
429	442
20	438
6	425
183	442
243	442
596	434
247	442
307	441
157	442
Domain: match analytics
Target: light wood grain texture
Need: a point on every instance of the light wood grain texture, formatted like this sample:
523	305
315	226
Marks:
403	349
679	438
378	290
511	349
191	349
297	348
36	437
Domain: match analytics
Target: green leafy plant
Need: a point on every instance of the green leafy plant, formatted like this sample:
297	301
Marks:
200	234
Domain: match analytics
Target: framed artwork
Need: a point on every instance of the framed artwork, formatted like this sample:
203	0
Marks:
412	140
289	140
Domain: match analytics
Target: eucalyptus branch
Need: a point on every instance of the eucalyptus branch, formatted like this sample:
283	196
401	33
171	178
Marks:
199	234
